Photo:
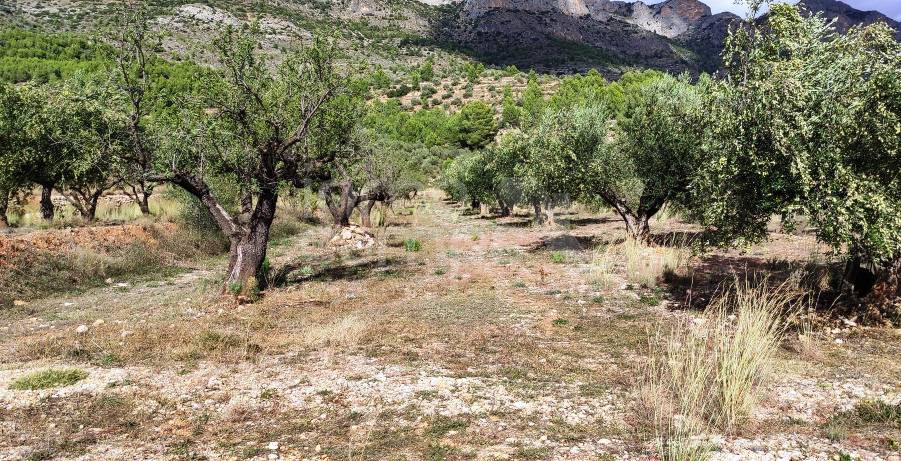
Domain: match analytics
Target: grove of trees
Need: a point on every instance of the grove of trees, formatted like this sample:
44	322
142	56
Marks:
803	123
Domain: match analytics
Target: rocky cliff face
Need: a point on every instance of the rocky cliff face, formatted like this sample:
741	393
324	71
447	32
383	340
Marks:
612	35
572	35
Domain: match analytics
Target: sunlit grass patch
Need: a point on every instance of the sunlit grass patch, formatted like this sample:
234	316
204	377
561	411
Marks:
637	263
49	378
705	375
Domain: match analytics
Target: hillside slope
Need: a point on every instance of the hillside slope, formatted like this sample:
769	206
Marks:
552	36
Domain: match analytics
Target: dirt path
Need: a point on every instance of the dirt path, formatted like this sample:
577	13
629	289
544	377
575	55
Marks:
492	342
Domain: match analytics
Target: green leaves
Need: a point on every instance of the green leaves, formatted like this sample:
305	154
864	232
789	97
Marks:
475	125
807	123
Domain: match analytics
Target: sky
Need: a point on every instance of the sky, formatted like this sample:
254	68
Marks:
890	8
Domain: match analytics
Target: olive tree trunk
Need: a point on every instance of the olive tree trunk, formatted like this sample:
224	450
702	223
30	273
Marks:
343	207
503	207
538	214
549	218
47	208
637	221
4	206
366	213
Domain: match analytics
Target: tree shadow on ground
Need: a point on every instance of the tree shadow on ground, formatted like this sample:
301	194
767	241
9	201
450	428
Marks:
331	270
567	242
715	273
585	221
515	222
675	239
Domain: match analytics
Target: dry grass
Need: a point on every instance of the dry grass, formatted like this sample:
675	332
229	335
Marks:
342	332
162	207
640	264
705	375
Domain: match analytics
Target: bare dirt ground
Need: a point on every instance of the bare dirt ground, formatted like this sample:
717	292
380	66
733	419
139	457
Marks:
492	342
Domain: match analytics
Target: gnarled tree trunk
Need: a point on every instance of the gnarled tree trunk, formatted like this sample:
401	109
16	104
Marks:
503	207
140	193
549	218
878	286
366	213
248	238
4	206
538	214
342	208
47	208
637	222
248	248
144	199
85	202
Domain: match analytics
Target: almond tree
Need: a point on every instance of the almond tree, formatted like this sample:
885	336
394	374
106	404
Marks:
263	127
132	41
59	136
9	144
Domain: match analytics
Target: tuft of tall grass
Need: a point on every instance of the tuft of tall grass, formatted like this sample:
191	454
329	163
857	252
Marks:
705	375
640	264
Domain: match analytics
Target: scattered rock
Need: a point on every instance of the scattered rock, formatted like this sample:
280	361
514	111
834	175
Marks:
352	237
82	329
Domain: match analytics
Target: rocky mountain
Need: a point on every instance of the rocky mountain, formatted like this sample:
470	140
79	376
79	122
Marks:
555	36
846	16
572	35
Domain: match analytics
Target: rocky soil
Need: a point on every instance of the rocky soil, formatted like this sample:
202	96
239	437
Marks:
485	344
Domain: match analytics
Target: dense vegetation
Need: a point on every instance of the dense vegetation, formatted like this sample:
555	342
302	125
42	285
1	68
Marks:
805	125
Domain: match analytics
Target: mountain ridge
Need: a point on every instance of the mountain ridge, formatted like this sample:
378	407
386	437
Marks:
673	35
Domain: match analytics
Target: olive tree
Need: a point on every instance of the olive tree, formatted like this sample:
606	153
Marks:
806	124
262	126
634	164
659	138
390	175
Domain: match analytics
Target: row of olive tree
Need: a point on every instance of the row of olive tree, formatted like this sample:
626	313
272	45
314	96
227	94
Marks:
632	156
808	124
805	123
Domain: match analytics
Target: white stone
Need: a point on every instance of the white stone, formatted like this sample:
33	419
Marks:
272	446
82	329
